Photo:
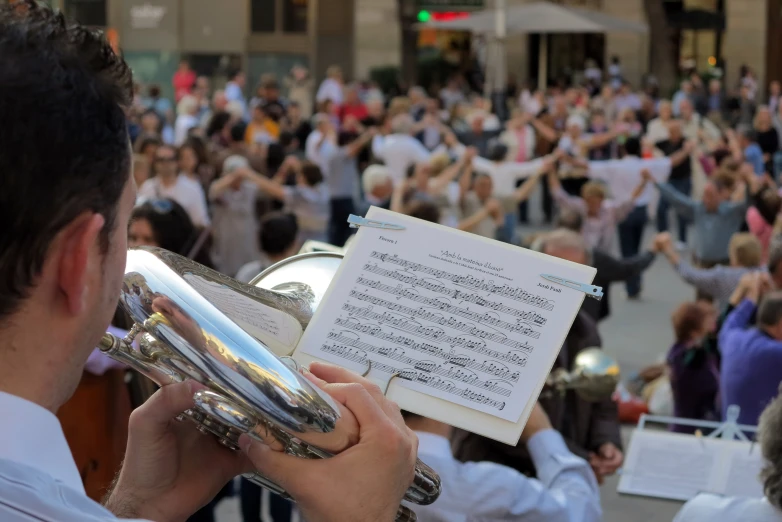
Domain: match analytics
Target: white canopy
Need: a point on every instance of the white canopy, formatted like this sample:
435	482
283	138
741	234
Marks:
542	17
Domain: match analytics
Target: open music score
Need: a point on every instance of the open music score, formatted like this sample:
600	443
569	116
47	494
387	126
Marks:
450	315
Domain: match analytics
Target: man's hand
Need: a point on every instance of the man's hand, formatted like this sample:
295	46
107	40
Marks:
494	208
757	286
647	176
663	242
365	482
538	421
170	470
469	154
606	461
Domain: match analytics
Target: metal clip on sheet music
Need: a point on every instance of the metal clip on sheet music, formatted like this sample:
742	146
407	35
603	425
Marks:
358	221
595	292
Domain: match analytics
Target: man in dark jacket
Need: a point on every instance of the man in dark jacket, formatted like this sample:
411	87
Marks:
609	268
590	429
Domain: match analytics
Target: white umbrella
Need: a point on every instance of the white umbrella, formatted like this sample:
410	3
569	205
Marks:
541	17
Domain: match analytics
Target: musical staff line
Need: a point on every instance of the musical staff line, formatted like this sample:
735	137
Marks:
443	306
515	293
442	321
480	348
440	288
416	376
398	354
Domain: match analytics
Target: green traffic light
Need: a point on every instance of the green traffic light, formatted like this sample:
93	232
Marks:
424	16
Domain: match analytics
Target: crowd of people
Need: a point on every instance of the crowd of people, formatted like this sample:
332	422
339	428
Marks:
260	175
239	179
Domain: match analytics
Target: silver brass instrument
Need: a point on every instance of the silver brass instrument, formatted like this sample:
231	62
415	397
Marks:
594	377
194	323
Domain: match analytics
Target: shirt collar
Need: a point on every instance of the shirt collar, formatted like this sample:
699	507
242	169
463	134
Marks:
35	438
433	445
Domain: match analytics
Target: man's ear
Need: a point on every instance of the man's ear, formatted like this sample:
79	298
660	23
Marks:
79	255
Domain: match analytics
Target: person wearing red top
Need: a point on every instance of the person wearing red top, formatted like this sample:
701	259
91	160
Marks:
353	106
184	79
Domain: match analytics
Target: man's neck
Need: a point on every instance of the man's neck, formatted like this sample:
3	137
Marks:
276	258
429	426
168	180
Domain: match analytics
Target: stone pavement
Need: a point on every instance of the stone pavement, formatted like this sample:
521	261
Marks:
637	333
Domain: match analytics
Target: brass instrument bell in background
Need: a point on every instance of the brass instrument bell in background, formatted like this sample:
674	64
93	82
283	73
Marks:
594	377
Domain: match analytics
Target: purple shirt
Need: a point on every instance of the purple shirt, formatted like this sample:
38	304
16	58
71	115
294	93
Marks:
694	383
751	365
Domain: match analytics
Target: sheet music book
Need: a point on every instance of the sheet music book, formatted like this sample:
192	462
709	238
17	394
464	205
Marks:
678	466
467	324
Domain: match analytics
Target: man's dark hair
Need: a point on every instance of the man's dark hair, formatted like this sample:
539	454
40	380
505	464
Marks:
278	232
748	133
633	146
346	137
312	174
217	123
65	150
721	155
238	130
233	73
424	210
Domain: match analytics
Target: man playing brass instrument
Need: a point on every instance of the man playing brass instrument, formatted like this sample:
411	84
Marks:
65	200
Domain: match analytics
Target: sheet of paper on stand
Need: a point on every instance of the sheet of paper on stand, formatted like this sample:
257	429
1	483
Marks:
679	467
466	326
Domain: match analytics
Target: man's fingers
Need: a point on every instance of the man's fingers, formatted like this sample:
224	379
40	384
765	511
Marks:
280	467
335	374
166	403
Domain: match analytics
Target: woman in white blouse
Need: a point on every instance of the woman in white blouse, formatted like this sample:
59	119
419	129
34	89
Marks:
657	130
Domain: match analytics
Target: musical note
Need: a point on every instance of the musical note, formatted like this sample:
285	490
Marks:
469	281
458	372
527	316
472	323
478	346
421	377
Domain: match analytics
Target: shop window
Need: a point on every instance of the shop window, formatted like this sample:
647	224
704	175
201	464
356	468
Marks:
263	16
294	16
279	16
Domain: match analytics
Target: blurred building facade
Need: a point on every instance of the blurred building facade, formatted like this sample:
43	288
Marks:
263	36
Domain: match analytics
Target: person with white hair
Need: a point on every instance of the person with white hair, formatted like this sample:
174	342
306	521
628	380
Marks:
377	186
187	110
331	87
400	149
234	227
323	130
575	145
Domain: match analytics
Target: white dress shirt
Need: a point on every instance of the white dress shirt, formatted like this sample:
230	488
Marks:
398	152
623	175
39	480
330	89
185	191
504	175
487	492
709	508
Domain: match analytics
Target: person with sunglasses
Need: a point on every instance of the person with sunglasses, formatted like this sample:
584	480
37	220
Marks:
168	182
164	223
